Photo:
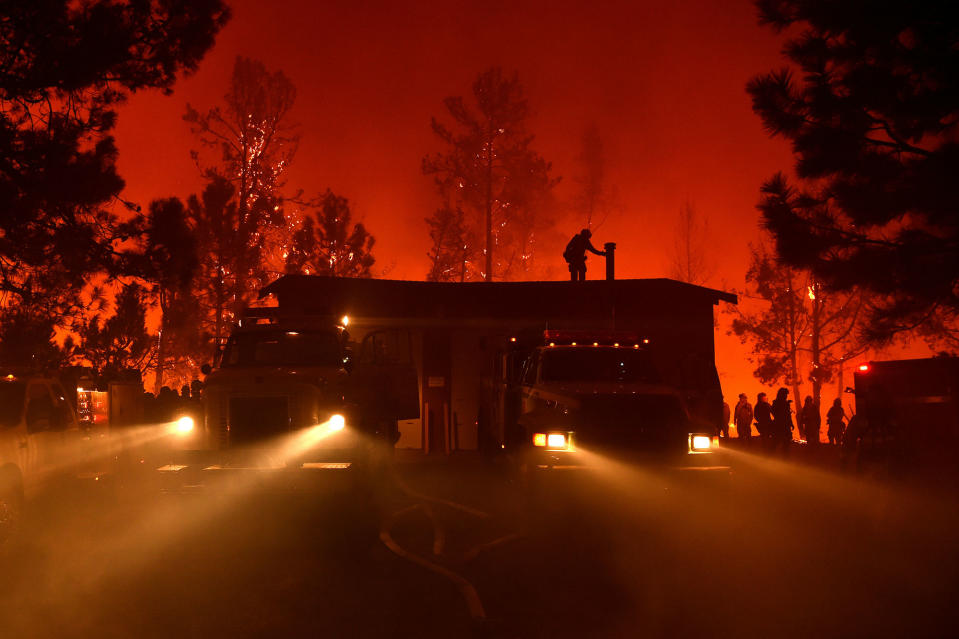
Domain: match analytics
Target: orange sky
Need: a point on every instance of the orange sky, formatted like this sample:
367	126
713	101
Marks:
664	81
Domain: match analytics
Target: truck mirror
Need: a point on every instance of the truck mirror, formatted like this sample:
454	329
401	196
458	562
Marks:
206	369
348	359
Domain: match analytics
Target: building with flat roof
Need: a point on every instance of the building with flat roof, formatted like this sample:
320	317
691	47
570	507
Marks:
455	328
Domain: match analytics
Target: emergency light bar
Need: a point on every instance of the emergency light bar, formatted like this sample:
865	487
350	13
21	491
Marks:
272	316
592	338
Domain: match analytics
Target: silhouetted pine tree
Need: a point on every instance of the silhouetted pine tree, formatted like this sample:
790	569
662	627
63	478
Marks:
329	243
66	67
870	102
254	142
453	250
120	342
489	170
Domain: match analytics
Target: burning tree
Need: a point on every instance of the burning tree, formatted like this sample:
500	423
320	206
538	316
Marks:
66	67
222	253
453	248
776	330
256	143
328	243
490	172
797	323
873	120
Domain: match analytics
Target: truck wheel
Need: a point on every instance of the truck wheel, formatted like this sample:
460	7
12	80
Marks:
11	509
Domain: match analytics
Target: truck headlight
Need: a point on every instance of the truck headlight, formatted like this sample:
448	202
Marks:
556	440
184	425
337	422
551	441
700	443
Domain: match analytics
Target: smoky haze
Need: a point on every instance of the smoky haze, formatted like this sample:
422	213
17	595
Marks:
663	84
777	548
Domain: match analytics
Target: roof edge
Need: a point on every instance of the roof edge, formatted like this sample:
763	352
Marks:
289	279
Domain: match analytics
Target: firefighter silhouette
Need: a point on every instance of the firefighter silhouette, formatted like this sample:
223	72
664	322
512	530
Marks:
575	254
782	419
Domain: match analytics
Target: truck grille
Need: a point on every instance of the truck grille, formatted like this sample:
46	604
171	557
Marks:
633	423
254	419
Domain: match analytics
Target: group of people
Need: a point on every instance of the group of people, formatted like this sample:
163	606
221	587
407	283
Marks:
167	405
774	422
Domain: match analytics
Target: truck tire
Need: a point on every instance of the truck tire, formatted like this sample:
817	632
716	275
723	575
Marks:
11	506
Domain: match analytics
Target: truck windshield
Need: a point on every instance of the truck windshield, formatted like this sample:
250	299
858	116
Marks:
283	348
664	410
11	402
597	364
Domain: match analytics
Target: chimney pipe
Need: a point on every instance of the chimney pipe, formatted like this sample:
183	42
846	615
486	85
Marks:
610	248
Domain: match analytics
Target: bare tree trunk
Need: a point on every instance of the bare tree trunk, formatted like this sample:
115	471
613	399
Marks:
839	387
816	363
794	351
218	310
797	402
161	351
489	208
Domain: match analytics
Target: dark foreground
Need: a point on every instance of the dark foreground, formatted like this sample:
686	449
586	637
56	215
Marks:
457	549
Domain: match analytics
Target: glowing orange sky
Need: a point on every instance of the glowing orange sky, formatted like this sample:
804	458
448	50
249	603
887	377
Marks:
664	82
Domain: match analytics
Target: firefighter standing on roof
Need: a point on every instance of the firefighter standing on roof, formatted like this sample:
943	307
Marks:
575	254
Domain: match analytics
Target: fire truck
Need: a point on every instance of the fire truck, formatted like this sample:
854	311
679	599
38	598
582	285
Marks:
39	433
907	417
295	395
551	399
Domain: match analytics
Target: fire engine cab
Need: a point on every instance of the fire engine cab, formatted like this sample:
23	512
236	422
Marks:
39	433
293	393
596	391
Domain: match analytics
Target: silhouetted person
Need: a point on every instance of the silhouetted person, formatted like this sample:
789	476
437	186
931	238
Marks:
782	419
743	418
764	417
835	426
185	391
575	254
167	402
724	427
811	420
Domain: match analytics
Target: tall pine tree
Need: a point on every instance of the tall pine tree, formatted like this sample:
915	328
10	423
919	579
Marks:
870	103
489	170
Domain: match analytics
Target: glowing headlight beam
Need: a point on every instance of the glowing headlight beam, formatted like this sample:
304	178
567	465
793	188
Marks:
700	443
556	440
184	425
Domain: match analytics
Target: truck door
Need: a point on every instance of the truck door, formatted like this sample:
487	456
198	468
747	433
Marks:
521	375
43	420
385	372
13	430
